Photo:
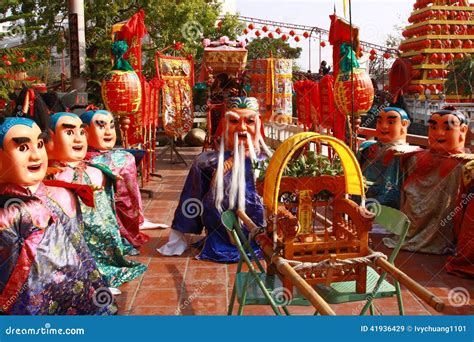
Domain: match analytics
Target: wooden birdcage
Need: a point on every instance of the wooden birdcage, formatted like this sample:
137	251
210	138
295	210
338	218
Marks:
322	235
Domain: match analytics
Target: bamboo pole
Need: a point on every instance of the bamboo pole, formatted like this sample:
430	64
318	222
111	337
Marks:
428	297
285	269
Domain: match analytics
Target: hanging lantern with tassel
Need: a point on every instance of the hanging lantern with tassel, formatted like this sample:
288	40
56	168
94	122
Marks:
121	88
363	89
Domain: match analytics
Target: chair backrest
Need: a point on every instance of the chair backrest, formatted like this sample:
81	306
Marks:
396	222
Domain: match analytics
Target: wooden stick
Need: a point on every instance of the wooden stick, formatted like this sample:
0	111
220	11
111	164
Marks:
285	269
427	296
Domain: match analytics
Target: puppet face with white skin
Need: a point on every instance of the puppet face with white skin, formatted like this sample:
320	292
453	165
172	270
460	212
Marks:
241	125
100	130
68	140
23	158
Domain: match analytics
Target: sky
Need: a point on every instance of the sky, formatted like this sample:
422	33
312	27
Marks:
375	18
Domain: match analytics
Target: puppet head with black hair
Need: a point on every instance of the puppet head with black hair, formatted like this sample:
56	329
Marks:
447	131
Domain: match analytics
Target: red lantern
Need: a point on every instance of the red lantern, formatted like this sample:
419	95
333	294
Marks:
292	33
22	59
264	29
467	44
434	58
284	37
442	57
437	28
432	87
257	33
437	43
306	34
251	27
446	27
297	38
449	57
8	63
5	57
440	87
459	56
447	43
122	92
457	43
386	55
322	44
363	92
270	35
278	30
421	88
434	73
372	57
373	52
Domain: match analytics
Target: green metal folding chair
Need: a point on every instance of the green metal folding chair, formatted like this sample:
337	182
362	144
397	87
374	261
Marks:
396	222
256	287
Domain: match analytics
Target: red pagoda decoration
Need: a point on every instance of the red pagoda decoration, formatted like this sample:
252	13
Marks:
440	32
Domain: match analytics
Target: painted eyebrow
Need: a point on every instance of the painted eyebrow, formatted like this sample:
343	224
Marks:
69	126
433	122
43	135
21	140
237	116
393	116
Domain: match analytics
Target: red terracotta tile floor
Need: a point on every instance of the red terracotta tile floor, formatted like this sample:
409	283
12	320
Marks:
185	286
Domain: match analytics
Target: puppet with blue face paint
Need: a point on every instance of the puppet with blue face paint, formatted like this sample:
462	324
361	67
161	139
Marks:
380	159
45	265
66	150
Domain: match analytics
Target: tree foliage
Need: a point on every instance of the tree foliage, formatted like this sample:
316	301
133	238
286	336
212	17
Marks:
460	80
167	22
278	48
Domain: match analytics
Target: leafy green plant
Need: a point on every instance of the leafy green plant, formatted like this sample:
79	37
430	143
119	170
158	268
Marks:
308	164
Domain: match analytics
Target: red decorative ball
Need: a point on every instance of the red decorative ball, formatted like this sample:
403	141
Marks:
8	63
251	26
322	44
284	37
297	38
257	33
372	57
434	58
387	55
265	29
122	92
459	56
449	57
373	52
270	35
22	59
292	33
246	31
457	43
467	44
363	92
306	34
278	30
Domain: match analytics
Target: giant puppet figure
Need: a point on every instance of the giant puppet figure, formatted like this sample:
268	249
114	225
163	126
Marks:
101	138
433	187
379	158
66	151
221	180
45	265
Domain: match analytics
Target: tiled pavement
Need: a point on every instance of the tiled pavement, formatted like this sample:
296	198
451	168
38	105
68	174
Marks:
186	286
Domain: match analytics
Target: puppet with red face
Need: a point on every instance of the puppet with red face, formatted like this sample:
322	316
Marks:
101	138
67	149
380	159
43	257
433	188
221	180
